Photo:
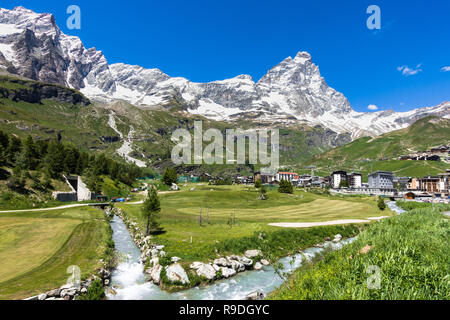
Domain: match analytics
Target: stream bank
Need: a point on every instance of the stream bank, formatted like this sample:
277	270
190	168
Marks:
128	281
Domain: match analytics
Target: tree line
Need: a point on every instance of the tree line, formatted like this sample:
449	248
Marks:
51	159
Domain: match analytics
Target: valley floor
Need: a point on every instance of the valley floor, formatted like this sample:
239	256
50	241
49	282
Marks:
37	247
197	222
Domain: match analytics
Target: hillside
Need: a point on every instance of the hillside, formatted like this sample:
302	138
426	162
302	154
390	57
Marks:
367	154
45	111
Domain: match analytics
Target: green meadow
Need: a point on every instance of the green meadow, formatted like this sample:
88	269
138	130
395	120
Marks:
196	223
37	248
411	252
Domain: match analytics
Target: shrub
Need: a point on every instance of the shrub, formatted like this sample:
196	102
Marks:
381	204
94	292
170	176
285	187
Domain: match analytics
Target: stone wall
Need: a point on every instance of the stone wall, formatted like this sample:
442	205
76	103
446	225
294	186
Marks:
84	194
65	196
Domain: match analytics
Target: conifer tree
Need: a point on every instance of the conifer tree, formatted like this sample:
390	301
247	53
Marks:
151	210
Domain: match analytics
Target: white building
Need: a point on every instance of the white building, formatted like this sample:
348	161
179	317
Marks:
337	177
289	176
355	180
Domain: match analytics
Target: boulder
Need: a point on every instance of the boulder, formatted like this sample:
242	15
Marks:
68	293
42	297
238	266
176	259
155	274
264	262
67	286
252	253
258	266
159	247
176	273
84	290
206	271
227	272
53	293
255	296
162	253
154	261
222	262
216	267
195	265
154	252
234	257
174	187
248	263
337	238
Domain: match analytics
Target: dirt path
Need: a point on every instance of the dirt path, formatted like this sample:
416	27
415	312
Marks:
324	223
48	209
142	201
69	206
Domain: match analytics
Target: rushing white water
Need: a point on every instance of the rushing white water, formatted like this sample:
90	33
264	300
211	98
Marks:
128	279
126	147
393	206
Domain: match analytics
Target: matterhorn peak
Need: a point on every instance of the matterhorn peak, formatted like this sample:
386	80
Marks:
303	57
244	77
22	9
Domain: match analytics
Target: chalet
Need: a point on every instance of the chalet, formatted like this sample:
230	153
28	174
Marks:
429	184
266	177
444	182
402	182
410	196
440	150
430	158
288	176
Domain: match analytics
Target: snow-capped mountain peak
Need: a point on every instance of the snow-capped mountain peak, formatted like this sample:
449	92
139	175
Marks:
32	45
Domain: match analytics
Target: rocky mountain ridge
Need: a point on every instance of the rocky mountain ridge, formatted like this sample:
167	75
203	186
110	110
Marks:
292	92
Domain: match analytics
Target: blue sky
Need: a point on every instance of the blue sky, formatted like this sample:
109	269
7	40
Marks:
205	40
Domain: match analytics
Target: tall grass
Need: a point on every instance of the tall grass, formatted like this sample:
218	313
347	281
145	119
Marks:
410	205
411	250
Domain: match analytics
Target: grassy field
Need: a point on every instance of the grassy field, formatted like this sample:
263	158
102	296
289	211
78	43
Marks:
37	248
411	251
220	208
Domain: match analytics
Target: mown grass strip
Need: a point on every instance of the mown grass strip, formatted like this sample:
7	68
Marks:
83	248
